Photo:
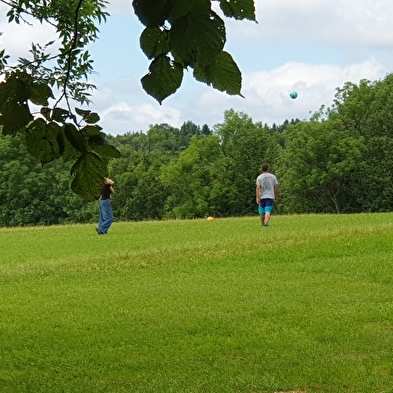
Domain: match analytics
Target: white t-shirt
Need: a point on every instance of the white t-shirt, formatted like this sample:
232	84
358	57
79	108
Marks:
267	181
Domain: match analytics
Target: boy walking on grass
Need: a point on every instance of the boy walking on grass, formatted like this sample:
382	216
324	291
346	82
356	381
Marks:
266	194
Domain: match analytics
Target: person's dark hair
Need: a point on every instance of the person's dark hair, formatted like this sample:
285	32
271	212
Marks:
265	167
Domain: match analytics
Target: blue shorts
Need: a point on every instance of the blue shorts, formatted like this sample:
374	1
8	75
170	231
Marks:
265	206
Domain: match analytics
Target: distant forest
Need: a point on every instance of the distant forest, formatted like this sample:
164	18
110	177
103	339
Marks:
338	161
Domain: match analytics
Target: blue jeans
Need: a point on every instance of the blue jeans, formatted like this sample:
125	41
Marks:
106	216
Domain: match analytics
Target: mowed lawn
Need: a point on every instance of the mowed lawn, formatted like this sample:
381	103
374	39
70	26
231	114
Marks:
305	305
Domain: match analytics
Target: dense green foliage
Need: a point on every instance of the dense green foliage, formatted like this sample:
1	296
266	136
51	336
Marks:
38	94
32	195
340	161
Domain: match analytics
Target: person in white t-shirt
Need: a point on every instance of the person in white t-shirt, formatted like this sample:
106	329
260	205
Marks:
266	194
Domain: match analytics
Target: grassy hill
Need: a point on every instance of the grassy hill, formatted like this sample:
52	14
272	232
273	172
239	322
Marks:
304	305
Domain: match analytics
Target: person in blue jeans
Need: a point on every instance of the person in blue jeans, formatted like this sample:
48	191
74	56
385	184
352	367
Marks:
106	214
266	194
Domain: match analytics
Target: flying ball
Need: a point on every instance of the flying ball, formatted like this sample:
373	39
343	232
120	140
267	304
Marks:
293	95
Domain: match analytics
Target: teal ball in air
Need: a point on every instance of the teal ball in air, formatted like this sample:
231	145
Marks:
293	95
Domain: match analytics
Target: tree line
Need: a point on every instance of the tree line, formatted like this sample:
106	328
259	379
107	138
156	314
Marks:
338	161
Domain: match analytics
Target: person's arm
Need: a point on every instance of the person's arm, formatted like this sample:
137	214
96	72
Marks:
258	193
276	192
112	189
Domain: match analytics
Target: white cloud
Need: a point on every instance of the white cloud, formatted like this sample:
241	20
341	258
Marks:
267	92
122	117
336	22
120	7
17	39
266	97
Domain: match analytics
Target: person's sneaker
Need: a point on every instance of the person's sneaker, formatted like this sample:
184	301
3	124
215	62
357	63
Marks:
265	224
99	232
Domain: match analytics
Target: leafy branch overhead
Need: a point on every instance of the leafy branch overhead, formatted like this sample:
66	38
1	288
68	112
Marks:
181	34
56	133
59	130
38	94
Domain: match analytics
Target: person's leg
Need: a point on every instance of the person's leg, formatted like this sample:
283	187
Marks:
100	219
267	217
268	211
261	212
106	216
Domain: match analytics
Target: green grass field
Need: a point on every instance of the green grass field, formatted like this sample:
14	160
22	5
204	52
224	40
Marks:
305	305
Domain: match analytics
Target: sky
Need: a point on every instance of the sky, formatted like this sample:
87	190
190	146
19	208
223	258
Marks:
312	47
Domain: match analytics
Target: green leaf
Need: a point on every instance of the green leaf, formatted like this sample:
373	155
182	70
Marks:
88	116
198	37
5	92
15	117
46	112
82	112
154	42
60	115
69	153
75	137
150	14
14	93
163	79
40	92
89	172
42	140
90	130
102	147
238	9
21	84
92	118
223	74
178	8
